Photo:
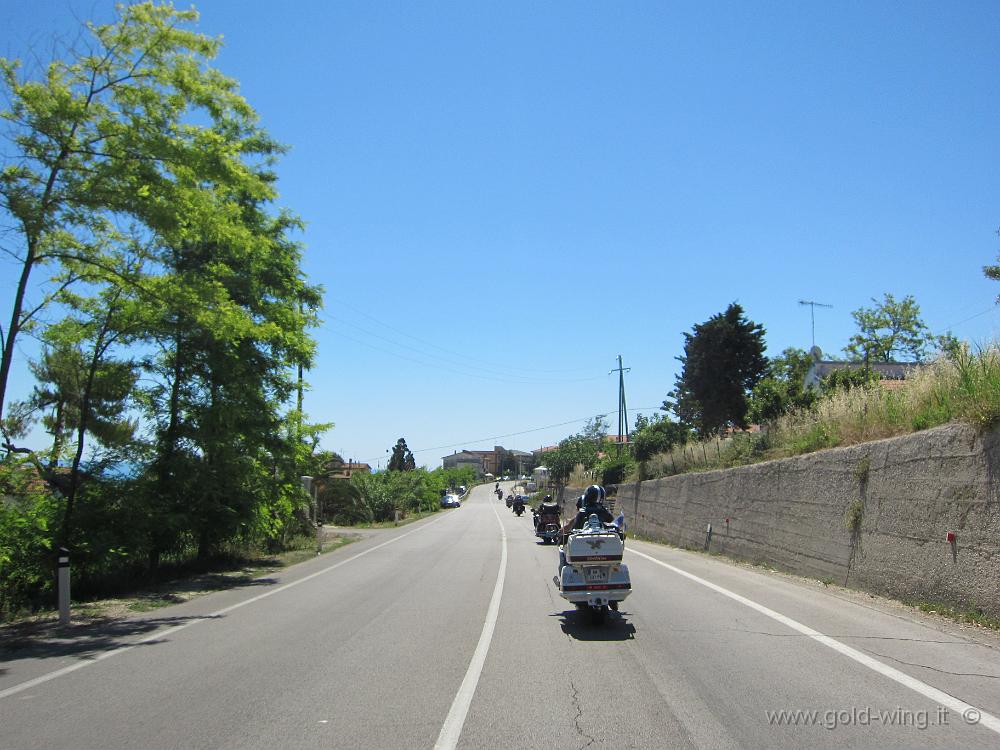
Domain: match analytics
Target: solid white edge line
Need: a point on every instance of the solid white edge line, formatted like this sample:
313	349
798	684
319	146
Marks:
949	701
451	730
160	634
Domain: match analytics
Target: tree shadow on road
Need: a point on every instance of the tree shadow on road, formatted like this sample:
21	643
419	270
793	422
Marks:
579	625
113	623
86	639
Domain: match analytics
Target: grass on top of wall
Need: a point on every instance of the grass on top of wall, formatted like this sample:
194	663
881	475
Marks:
962	388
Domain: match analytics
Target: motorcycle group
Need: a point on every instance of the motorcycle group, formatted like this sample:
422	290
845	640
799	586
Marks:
591	544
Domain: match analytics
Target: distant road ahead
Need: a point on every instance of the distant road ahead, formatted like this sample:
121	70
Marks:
450	631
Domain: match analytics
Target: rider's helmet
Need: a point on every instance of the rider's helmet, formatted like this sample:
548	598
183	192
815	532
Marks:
547	499
593	496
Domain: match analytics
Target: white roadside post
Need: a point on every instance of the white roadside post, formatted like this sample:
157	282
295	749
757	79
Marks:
63	586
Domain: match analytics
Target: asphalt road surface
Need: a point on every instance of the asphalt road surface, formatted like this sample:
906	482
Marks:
449	632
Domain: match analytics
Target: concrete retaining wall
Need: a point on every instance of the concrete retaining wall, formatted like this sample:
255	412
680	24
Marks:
910	491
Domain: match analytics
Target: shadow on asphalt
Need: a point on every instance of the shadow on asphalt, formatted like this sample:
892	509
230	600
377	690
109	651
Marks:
88	636
579	625
85	640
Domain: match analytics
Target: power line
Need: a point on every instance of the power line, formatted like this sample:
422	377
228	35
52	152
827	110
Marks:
990	309
514	379
515	434
464	356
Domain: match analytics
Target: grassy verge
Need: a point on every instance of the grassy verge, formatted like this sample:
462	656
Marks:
410	518
972	616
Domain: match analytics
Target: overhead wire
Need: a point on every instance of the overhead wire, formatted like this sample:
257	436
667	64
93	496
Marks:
516	434
457	367
464	355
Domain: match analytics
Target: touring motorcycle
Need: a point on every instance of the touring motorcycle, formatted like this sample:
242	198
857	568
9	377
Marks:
594	577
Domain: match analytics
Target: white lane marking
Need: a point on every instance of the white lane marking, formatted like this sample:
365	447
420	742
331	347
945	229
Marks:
453	723
160	634
949	701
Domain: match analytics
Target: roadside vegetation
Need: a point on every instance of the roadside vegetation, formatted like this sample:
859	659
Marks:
961	386
388	496
731	406
161	286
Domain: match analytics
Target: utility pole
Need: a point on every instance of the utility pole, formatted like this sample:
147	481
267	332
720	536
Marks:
622	409
812	314
298	400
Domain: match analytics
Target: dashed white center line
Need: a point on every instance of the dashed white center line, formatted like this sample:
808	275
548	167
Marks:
453	723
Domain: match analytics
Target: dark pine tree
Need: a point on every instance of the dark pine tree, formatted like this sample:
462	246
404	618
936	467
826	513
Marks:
723	360
401	459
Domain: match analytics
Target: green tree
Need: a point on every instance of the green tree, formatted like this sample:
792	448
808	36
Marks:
57	394
136	174
100	392
782	388
657	434
892	330
401	458
723	360
583	448
134	130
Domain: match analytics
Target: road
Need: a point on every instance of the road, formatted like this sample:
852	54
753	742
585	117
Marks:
450	631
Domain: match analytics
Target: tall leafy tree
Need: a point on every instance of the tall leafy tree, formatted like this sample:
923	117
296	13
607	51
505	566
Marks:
103	385
892	330
723	360
233	326
132	128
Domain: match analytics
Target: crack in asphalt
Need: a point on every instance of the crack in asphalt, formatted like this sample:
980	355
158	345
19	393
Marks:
933	669
579	715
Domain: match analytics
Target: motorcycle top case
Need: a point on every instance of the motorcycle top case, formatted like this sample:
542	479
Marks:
594	547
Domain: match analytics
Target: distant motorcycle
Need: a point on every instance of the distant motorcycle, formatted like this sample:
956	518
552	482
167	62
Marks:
518	506
510	500
547	525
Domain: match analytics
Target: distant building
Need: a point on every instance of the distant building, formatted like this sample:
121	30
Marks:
891	374
491	462
466	459
344	469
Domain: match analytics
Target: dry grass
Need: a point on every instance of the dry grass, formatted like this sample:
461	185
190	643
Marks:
965	387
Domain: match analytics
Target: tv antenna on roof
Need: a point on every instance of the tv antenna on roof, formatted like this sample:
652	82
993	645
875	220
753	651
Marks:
812	314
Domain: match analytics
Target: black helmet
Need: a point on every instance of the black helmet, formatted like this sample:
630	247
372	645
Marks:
547	498
593	495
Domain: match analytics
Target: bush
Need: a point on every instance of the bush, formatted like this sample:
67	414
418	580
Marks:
29	514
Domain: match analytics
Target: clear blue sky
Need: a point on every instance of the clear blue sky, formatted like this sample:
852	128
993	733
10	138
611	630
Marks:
502	197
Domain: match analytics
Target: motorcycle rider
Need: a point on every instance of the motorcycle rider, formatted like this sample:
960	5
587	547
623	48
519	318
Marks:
590	503
547	507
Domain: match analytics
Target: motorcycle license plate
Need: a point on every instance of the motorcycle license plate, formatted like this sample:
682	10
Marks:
596	575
